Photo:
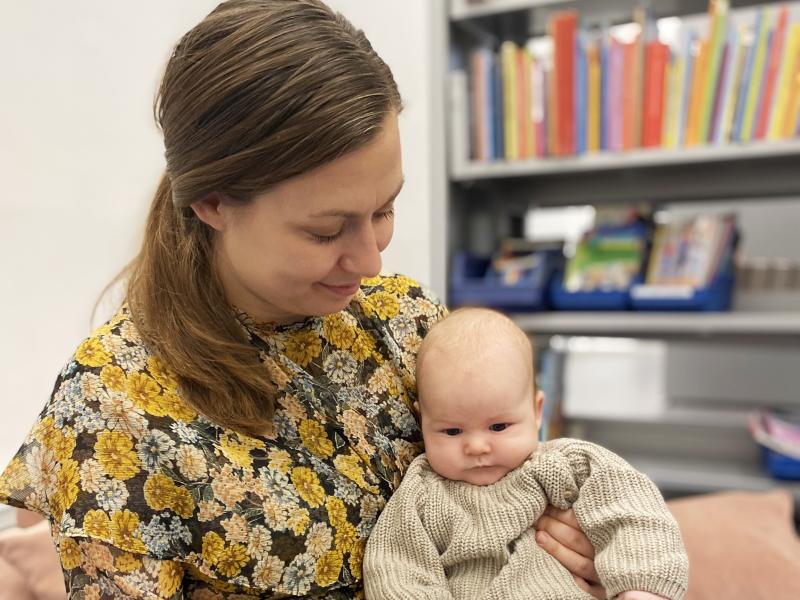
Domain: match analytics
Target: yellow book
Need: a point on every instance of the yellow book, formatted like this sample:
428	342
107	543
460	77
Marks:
719	18
696	98
790	125
593	108
526	110
508	59
788	70
756	76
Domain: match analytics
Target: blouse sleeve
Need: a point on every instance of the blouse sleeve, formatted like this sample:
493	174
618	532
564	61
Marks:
100	571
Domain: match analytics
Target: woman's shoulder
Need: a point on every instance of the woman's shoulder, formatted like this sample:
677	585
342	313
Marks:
393	295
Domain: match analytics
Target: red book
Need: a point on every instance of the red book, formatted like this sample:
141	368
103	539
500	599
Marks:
656	60
774	64
565	24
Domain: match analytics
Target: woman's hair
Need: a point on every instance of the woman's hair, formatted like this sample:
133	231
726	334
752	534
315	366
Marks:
258	92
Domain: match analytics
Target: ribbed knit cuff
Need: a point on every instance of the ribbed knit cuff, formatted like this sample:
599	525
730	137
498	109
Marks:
669	588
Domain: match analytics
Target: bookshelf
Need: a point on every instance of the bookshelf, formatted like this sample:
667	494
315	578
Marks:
696	447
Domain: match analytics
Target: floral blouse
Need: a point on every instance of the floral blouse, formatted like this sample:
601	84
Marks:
148	499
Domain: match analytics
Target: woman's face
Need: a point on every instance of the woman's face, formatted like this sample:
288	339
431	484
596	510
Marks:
303	247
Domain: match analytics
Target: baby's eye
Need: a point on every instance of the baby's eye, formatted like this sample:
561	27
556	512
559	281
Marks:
498	426
452	431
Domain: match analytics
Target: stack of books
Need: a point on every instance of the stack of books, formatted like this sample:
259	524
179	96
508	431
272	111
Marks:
722	78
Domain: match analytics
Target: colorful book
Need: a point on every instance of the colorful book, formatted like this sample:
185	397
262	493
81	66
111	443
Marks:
565	25
498	108
773	65
690	60
656	61
581	92
749	39
789	66
756	76
508	56
730	83
594	95
696	95
719	19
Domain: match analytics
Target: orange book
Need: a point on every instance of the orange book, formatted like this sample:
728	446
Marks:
656	60
775	56
696	96
565	24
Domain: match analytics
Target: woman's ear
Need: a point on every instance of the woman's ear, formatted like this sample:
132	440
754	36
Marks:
211	210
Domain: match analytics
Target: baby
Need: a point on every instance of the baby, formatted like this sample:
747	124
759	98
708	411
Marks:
460	524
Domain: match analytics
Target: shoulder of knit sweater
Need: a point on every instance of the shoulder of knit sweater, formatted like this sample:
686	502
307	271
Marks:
579	452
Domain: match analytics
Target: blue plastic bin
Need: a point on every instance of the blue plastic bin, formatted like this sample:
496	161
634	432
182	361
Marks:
474	283
565	300
781	466
715	297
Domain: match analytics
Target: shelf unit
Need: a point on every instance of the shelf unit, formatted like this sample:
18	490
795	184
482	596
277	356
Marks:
687	450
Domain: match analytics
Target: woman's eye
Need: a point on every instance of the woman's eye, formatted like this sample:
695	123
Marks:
326	239
452	431
386	214
498	426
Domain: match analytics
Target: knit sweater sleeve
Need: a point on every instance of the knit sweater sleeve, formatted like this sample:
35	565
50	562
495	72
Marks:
400	560
637	541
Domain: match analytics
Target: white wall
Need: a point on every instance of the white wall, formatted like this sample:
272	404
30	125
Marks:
80	157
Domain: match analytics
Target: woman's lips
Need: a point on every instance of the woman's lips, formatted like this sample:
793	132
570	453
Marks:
342	290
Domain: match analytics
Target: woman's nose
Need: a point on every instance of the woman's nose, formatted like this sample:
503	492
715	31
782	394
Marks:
362	257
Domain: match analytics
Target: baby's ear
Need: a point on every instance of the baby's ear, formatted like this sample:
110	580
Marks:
416	408
538	403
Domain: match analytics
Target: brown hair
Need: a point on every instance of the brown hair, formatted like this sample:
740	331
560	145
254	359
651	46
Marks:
258	92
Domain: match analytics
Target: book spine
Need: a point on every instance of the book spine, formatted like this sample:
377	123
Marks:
730	84
756	76
775	55
784	86
719	16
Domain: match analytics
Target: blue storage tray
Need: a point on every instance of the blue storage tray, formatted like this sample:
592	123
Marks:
562	299
715	297
472	283
781	466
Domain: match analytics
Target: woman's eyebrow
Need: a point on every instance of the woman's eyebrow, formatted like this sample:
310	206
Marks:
347	213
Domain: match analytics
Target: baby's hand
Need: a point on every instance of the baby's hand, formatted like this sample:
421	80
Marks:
636	595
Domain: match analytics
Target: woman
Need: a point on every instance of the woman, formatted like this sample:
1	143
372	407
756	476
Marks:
235	429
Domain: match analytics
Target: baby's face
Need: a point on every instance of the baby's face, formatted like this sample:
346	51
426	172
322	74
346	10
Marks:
478	426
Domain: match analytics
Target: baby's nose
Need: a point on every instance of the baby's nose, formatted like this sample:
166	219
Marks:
476	446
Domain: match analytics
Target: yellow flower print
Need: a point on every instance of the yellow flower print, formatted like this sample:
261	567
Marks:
276	374
113	378
144	392
227	486
66	488
174	407
357	558
346	537
307	484
69	553
209	510
232	559
279	460
92	354
62	443
329	565
125	531
338	331
160	492
127	562
293	407
97	524
372	281
235	452
298	520
382	305
363	346
268	572
303	347
170	578
349	465
162	373
315	439
337	513
15	477
213	547
183	503
398	285
114	452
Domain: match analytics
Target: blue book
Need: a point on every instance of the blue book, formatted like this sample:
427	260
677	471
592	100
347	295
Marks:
489	114
497	108
744	84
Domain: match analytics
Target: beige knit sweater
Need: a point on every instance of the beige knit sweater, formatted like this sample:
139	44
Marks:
449	540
